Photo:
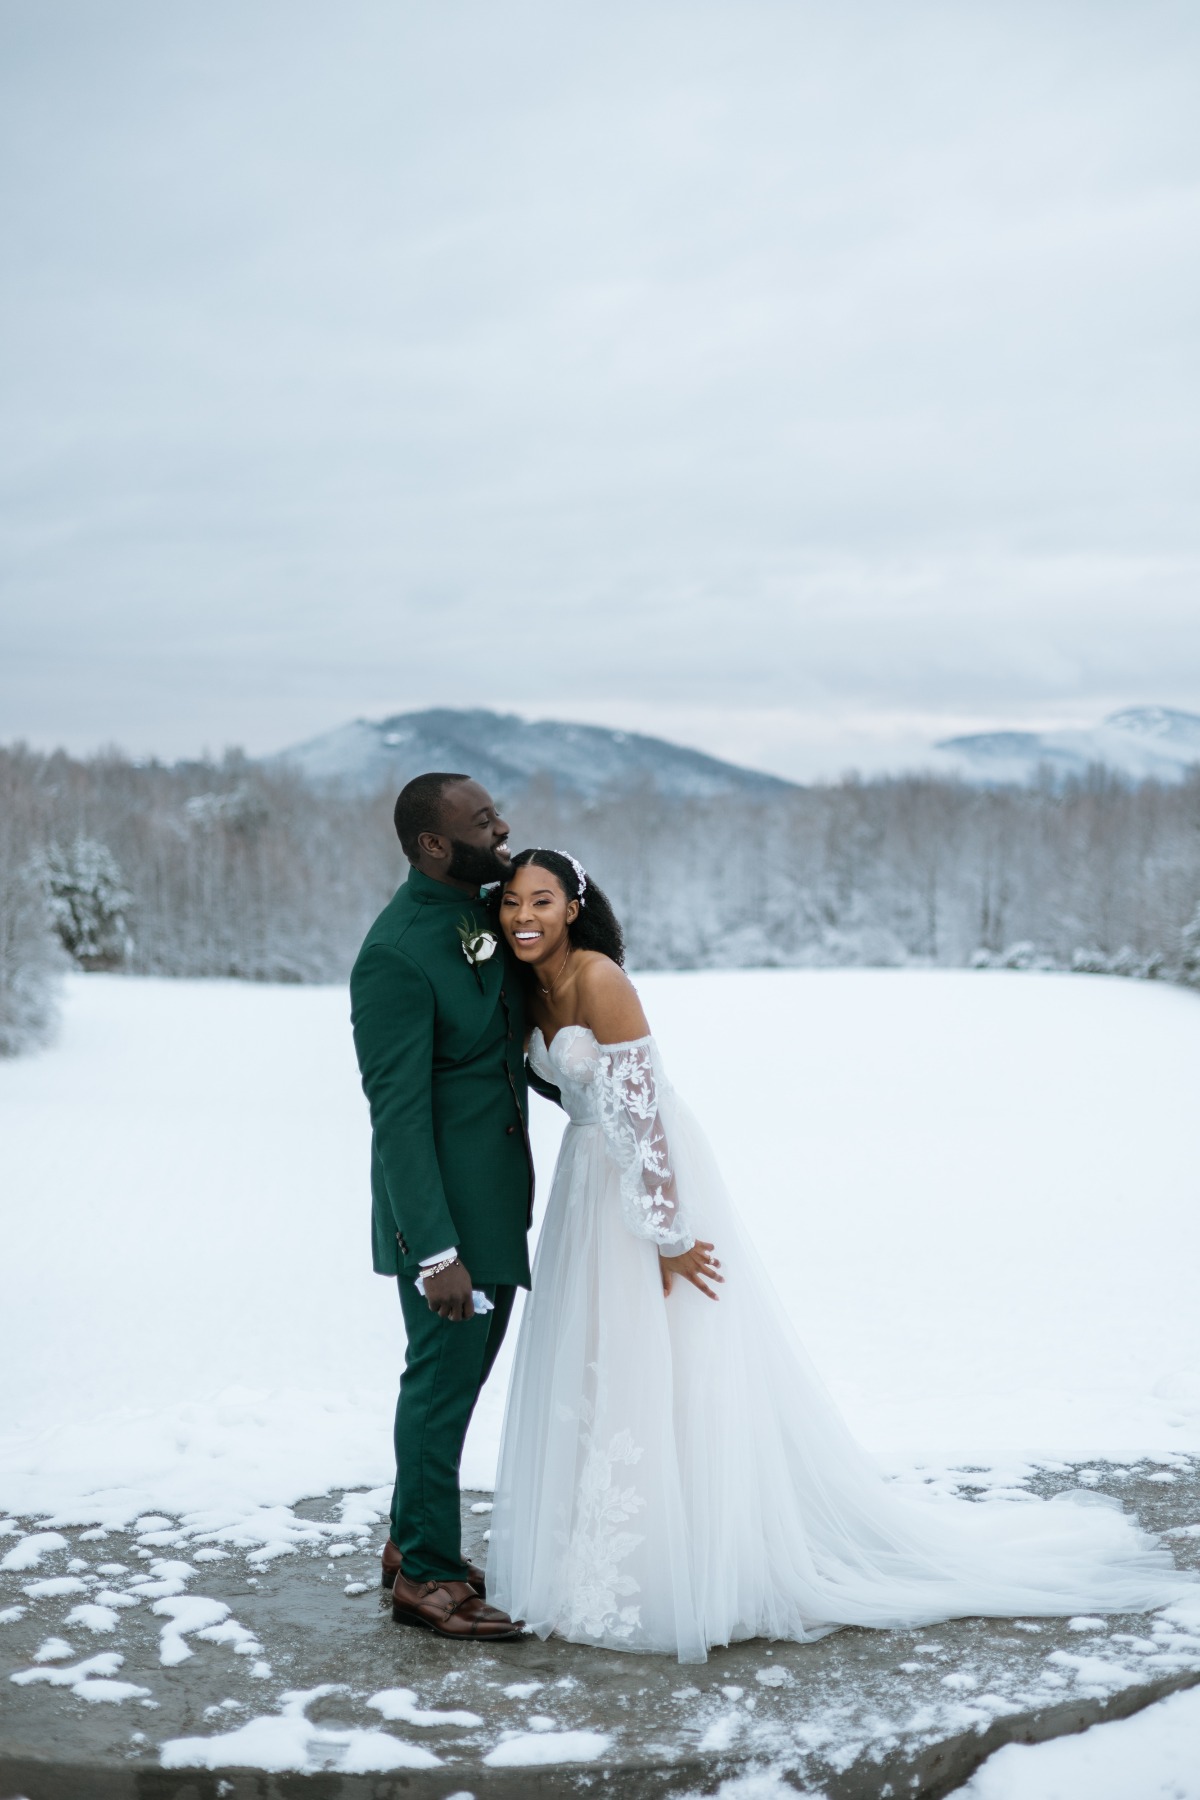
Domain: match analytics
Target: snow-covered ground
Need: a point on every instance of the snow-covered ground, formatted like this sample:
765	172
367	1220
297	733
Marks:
979	1193
1155	1755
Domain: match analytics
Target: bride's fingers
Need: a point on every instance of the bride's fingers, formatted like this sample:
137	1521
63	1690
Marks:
696	1281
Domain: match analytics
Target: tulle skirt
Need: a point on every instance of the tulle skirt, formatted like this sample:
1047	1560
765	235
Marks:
673	1475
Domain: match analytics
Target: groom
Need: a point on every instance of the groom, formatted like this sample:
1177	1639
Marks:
439	1031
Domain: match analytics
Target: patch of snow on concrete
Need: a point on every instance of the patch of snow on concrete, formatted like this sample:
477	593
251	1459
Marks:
90	1680
722	1732
525	1749
187	1614
401	1704
112	1598
244	1642
166	1577
1094	1673
290	1742
30	1551
93	1617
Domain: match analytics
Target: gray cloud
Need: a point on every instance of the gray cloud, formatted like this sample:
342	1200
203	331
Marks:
799	380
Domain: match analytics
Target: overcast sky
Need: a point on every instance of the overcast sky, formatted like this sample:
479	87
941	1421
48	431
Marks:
803	381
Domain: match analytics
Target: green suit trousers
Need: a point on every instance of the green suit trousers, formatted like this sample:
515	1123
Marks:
447	1363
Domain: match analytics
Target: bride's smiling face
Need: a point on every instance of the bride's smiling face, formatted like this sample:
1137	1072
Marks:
535	913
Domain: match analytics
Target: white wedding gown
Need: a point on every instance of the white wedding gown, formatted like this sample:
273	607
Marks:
673	1474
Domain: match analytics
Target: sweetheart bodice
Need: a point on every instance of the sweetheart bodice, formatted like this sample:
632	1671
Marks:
570	1061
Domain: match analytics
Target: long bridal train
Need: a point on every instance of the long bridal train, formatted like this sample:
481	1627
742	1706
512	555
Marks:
674	1476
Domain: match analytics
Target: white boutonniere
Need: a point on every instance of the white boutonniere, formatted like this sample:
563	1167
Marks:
478	946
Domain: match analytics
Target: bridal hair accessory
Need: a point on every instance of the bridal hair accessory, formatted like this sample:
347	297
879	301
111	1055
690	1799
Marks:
580	873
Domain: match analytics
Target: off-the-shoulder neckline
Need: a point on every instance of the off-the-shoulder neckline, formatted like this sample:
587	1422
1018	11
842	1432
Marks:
625	1043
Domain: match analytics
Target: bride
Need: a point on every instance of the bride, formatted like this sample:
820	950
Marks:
672	1473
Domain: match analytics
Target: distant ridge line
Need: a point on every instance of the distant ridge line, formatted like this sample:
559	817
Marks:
508	753
1140	742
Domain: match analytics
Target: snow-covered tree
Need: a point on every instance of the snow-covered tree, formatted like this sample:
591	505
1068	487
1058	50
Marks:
1190	962
30	959
88	903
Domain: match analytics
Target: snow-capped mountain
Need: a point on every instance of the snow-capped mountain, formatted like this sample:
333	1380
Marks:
1139	742
507	753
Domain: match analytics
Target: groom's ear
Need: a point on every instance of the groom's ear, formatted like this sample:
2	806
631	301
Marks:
433	845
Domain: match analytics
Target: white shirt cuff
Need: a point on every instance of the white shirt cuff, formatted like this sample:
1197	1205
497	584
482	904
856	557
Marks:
427	1262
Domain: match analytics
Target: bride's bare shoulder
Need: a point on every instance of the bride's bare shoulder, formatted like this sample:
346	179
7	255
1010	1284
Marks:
596	973
608	1000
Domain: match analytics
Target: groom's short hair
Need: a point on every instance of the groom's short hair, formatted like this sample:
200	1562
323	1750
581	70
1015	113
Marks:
419	808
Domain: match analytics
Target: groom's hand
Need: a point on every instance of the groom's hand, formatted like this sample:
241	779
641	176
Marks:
449	1294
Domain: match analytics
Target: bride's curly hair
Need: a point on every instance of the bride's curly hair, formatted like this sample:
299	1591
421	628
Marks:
596	926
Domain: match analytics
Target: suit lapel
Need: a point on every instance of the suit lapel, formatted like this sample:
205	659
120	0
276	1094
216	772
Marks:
481	982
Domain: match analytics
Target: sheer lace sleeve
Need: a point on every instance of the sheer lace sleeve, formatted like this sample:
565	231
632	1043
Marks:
634	1137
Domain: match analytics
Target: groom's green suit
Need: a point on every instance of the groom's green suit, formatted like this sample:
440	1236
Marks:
441	1050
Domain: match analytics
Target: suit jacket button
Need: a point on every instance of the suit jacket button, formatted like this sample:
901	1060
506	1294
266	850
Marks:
503	995
508	1130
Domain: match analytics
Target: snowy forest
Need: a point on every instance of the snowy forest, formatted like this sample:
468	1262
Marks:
232	869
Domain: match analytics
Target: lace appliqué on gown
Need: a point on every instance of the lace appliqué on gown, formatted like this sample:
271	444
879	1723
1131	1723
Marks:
627	1101
594	1583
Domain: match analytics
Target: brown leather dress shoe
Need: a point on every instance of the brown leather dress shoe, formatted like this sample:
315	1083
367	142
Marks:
392	1560
450	1609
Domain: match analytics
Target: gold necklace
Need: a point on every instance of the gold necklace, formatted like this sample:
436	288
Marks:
549	991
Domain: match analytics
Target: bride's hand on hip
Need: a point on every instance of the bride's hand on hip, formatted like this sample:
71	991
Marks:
697	1265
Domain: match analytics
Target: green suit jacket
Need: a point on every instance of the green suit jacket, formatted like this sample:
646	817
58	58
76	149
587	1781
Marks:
441	1049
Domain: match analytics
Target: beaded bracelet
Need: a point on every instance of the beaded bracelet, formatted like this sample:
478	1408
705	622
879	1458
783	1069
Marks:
439	1268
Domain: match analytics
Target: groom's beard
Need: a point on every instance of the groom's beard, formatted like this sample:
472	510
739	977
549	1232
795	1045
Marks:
468	862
